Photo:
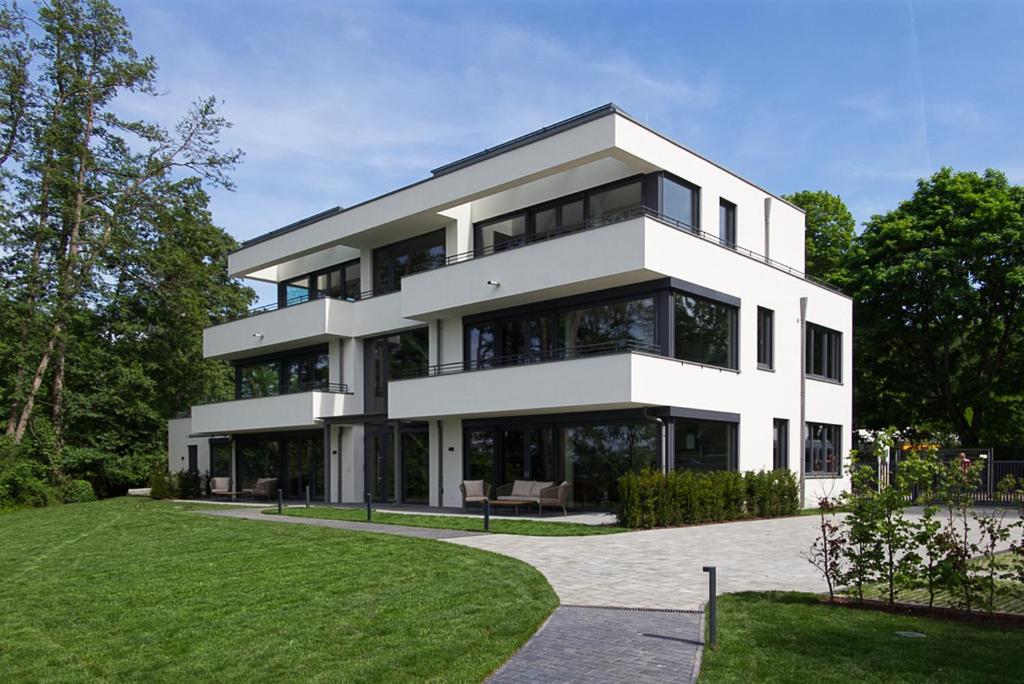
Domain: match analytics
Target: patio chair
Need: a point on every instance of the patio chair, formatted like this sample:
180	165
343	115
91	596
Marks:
556	496
220	486
265	486
474	491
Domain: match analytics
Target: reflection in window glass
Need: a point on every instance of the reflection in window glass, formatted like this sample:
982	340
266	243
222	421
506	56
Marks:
350	278
295	291
604	324
705	445
824	348
611	204
220	459
679	202
421	253
259	380
705	331
822	449
496	236
596	456
482	348
480	456
415	467
727	223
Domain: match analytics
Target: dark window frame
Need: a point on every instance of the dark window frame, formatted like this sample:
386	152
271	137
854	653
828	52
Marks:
832	353
307	354
732	458
734	341
765	338
340	268
727	232
780	443
693	187
393	282
832	434
372	399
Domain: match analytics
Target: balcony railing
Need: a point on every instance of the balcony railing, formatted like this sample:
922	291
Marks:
280	390
579	351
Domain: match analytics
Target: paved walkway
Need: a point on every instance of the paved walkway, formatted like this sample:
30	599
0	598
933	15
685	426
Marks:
398	530
602	645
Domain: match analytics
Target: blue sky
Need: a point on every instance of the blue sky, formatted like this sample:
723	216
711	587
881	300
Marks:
336	102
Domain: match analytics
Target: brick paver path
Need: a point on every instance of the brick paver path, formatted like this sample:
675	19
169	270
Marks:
598	645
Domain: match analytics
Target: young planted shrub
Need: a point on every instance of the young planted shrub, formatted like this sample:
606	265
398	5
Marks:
77	491
827	550
162	484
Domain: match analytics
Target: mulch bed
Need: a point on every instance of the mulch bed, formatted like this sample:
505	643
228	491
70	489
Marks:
985	619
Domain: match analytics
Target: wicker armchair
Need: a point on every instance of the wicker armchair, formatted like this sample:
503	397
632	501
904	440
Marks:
474	491
265	486
556	496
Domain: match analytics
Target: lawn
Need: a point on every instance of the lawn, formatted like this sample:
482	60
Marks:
139	590
536	528
787	637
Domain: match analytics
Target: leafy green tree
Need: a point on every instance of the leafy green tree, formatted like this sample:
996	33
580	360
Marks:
939	315
829	235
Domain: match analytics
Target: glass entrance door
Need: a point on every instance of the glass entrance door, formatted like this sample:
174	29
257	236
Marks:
377	460
304	465
415	467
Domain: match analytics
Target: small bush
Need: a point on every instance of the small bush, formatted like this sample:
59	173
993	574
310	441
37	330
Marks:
77	491
162	484
684	497
189	485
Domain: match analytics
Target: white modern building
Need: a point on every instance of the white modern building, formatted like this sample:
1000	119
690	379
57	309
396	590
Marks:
587	299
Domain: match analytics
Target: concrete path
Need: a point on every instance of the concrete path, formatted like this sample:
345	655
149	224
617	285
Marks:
603	645
398	530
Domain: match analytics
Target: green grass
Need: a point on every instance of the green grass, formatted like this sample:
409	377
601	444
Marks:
533	528
788	637
139	590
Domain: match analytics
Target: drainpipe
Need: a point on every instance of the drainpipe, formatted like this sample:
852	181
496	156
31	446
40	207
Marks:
803	395
663	438
767	227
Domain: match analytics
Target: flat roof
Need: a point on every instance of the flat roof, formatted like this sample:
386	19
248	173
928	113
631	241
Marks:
490	152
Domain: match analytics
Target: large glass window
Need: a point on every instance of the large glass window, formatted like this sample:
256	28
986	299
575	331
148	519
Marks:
780	443
502	234
220	459
392	356
615	203
480	456
705	331
824	352
679	201
294	372
341	282
415	466
596	456
294	291
727	223
561	217
421	253
705	445
823	449
765	338
602	326
258	457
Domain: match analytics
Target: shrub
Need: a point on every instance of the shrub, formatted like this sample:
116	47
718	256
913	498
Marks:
77	491
162	484
24	475
684	497
189	485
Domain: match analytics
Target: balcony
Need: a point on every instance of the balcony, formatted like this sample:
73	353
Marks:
289	410
617	377
272	328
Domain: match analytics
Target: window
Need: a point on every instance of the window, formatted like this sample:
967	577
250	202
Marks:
614	203
340	282
780	443
765	338
679	200
497	236
823	449
220	459
292	292
705	445
294	372
597	455
563	216
569	332
727	223
421	253
705	331
391	356
824	348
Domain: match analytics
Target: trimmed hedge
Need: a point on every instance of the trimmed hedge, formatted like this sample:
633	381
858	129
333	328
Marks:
685	497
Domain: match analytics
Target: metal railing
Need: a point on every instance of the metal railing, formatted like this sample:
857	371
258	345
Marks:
280	390
529	358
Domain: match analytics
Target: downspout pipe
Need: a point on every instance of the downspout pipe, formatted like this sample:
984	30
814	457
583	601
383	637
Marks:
803	396
663	438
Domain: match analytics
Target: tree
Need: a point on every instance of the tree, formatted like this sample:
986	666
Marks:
83	181
938	285
829	236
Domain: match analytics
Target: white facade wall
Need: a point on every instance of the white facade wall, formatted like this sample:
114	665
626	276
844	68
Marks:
178	442
635	251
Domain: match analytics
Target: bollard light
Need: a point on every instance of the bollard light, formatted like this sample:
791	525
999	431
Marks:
487	515
712	606
280	501
369	513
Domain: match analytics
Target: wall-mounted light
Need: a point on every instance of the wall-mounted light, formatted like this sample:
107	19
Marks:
258	336
495	283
